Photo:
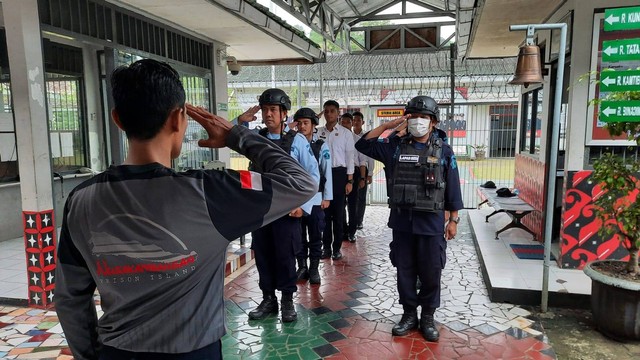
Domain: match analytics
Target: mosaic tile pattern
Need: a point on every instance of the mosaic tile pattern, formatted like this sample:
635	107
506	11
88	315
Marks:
349	316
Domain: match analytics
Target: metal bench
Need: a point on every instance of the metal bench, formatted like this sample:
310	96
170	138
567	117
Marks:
514	206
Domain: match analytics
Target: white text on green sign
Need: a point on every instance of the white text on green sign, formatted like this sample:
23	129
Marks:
621	50
622	19
620	111
620	80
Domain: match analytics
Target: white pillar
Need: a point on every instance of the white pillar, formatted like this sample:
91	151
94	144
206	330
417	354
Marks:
24	45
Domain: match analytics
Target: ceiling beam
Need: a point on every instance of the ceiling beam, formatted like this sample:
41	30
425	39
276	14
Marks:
419	15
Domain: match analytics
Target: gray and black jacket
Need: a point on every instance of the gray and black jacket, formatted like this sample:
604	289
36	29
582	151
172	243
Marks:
154	243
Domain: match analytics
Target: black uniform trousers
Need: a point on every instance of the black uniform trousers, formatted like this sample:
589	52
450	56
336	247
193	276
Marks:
312	225
275	247
352	204
334	214
418	256
362	200
209	352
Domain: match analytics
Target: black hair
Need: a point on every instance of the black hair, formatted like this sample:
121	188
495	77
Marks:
331	103
358	113
144	94
347	115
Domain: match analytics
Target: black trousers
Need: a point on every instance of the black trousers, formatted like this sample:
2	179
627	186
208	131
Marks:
275	247
313	225
418	256
353	205
362	201
209	352
334	214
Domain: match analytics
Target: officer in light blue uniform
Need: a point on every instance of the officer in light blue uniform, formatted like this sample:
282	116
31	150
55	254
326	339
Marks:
276	245
424	183
307	120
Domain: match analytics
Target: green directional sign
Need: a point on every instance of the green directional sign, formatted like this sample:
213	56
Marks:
621	50
622	19
620	80
618	111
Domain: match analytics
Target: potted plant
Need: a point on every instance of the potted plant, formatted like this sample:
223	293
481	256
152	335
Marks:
480	151
615	292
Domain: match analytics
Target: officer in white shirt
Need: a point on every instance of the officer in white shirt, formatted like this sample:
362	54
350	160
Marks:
366	171
342	148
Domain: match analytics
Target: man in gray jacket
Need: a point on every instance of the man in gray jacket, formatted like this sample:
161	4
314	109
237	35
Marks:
152	240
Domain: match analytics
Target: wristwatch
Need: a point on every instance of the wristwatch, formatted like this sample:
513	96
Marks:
350	181
455	219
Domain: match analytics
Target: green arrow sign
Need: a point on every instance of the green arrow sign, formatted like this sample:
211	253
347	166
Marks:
622	19
621	50
619	111
620	80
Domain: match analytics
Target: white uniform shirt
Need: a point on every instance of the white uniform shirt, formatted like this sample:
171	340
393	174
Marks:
362	159
341	146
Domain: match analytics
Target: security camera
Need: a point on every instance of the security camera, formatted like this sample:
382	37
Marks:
233	65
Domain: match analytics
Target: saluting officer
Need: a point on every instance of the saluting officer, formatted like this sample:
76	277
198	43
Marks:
276	245
341	146
307	120
424	183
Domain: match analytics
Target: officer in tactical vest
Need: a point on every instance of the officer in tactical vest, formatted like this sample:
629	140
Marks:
276	245
307	120
423	184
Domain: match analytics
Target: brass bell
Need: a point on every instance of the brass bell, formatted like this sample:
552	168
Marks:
528	69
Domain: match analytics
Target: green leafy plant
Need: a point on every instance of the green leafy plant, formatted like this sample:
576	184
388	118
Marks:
618	202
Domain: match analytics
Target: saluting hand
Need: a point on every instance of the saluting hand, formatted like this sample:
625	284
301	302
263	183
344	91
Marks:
249	115
217	127
396	123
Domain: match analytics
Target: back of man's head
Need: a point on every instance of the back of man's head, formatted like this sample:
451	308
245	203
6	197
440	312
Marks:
144	94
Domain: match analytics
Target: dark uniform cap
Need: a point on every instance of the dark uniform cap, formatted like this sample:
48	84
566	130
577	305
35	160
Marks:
423	105
275	97
306	113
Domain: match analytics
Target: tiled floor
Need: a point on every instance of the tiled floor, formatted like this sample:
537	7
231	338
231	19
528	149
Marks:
349	316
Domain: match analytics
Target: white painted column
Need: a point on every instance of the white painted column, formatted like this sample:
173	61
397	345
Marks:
220	96
24	45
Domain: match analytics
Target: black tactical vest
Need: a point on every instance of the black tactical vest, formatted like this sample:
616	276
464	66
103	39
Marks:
285	142
316	146
418	181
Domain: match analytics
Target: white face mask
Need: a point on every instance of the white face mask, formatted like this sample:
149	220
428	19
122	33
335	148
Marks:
419	127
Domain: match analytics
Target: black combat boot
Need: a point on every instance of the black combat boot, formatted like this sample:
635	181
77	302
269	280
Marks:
428	327
269	305
408	322
303	271
314	274
288	310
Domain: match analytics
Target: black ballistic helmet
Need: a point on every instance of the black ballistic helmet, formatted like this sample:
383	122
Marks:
423	105
275	97
306	113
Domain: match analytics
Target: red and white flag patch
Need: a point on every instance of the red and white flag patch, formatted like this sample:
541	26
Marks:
250	180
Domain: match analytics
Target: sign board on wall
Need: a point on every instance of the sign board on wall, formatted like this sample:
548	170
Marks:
390	112
616	47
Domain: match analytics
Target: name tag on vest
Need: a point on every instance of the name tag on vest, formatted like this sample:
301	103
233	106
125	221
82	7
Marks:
409	158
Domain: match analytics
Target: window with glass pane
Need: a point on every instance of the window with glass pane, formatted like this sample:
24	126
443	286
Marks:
8	147
66	125
193	156
531	122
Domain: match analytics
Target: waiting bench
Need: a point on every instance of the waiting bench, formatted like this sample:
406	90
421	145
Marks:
514	206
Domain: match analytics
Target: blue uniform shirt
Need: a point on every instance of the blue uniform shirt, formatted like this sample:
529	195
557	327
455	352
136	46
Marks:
301	151
416	222
325	163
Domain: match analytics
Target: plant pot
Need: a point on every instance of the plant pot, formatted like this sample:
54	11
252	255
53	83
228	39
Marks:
615	304
480	154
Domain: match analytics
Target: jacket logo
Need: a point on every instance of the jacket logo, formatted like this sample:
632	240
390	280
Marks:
409	158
